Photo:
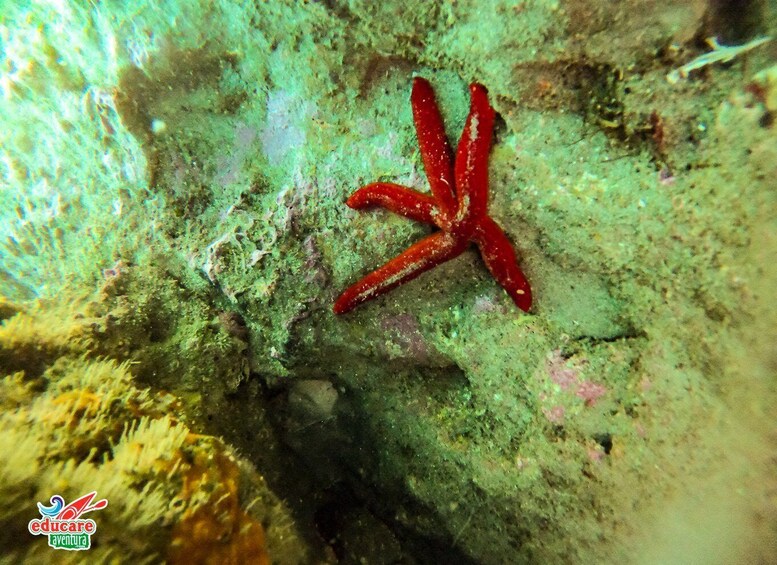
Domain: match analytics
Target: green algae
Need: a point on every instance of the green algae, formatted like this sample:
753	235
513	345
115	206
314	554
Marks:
228	138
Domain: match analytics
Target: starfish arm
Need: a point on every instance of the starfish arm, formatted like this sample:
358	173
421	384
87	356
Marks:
396	198
471	167
499	256
435	150
417	259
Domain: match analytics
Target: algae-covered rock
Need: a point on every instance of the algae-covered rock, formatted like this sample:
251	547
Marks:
185	167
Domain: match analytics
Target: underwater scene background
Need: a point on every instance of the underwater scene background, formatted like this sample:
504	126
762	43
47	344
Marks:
174	234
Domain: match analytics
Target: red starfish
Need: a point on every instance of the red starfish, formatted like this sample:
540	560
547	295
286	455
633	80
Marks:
462	217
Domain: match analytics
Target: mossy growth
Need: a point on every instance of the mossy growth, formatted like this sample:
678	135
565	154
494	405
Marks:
174	334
